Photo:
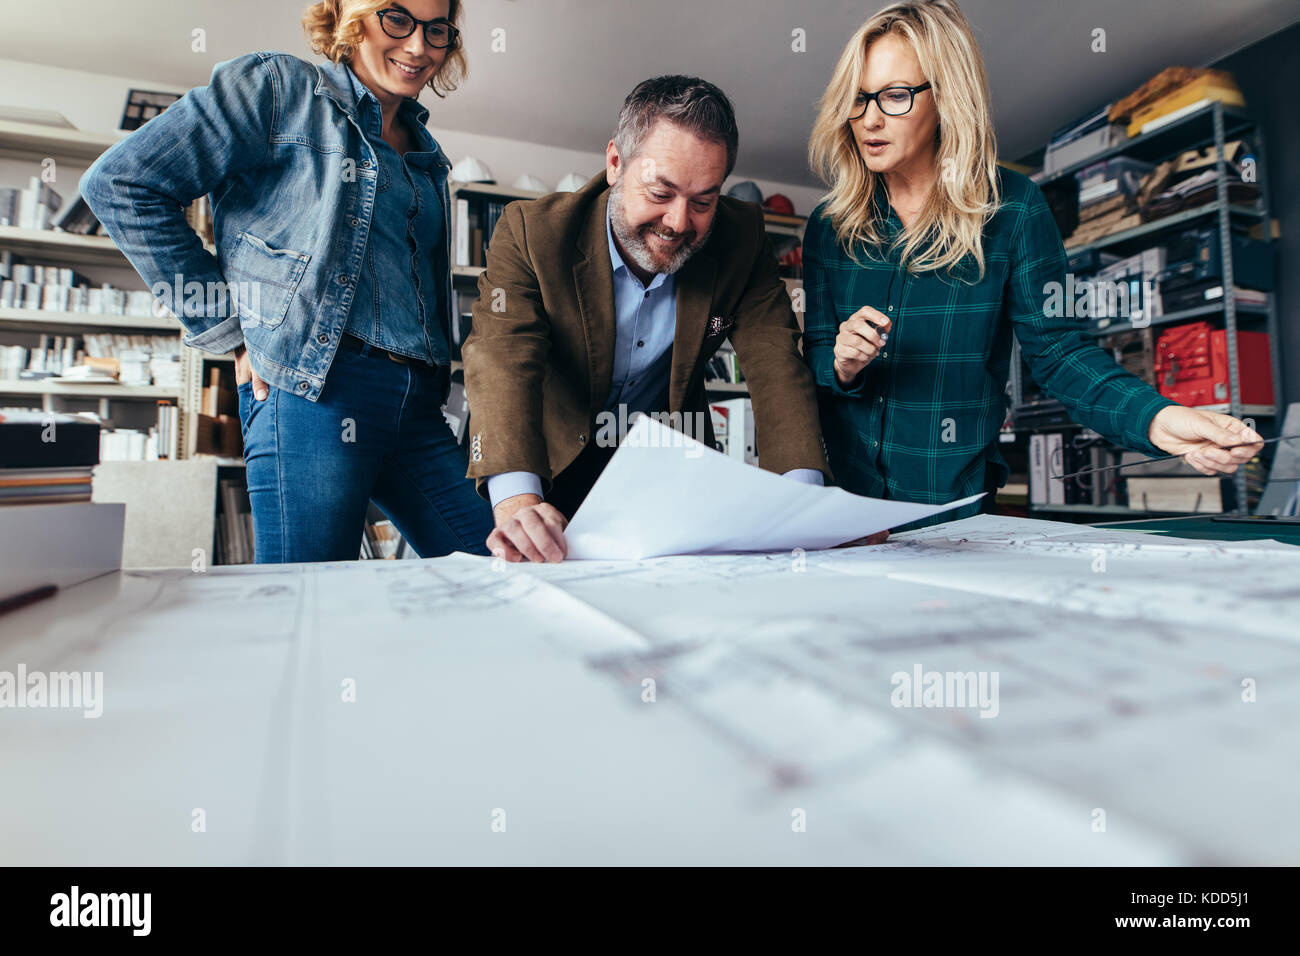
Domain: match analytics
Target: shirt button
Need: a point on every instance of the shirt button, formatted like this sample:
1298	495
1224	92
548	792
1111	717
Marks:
891	308
582	439
323	339
875	444
884	355
879	399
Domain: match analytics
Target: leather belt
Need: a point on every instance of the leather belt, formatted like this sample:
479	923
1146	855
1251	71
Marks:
357	344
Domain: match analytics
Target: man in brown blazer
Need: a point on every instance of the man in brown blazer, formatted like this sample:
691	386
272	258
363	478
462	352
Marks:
610	301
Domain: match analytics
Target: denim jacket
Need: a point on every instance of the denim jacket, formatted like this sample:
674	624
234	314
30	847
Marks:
276	142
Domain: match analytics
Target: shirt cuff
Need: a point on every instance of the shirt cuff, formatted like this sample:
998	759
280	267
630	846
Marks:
511	483
226	336
824	373
809	476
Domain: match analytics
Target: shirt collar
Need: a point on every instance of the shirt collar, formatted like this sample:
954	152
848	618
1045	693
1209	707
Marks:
616	259
372	114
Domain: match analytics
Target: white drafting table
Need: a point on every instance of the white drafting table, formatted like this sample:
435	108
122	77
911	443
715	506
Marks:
488	692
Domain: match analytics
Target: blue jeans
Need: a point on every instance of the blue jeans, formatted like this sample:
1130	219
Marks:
376	433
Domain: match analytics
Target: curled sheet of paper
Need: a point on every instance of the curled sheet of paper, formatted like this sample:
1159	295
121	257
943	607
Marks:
665	493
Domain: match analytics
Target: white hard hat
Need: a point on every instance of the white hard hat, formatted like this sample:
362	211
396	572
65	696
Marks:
571	183
531	183
470	170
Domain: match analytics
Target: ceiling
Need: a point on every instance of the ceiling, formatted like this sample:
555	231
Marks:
567	64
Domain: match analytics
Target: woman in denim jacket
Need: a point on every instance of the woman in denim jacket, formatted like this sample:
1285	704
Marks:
331	281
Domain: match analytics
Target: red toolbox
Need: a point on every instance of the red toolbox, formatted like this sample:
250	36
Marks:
1192	365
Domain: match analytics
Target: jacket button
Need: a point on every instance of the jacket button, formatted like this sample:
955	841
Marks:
343	280
365	164
582	439
323	339
303	386
354	222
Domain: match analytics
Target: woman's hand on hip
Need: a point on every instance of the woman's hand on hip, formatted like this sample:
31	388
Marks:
862	337
244	373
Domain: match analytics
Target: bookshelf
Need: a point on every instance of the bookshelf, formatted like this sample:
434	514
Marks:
25	140
68	249
1209	126
124	404
22	320
88	390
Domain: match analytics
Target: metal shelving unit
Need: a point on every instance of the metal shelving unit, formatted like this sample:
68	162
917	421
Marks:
1213	124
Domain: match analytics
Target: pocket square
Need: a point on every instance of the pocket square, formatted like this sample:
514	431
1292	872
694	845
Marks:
720	325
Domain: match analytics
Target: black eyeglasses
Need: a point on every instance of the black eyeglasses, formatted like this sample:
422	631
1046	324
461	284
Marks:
399	25
892	100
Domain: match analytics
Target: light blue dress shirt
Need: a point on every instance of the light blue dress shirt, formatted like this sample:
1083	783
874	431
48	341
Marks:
646	322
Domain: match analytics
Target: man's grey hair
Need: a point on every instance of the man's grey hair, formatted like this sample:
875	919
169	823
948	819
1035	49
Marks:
694	104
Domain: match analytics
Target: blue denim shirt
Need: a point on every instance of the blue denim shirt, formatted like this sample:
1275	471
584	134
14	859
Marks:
407	226
277	143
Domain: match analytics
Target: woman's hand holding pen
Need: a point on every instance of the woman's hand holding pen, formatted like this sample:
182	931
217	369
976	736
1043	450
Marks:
862	337
1208	441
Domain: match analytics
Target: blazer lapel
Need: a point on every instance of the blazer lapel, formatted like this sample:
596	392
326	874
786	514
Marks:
694	298
593	278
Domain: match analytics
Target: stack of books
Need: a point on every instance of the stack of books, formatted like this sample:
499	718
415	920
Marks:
234	523
35	207
475	223
46	458
724	367
78	219
102	358
25	285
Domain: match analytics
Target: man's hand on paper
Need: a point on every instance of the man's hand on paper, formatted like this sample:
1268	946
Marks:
527	528
861	338
1203	438
880	537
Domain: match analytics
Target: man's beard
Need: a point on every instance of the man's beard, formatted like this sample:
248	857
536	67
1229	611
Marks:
637	246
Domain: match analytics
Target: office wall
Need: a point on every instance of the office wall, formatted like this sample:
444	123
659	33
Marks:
94	102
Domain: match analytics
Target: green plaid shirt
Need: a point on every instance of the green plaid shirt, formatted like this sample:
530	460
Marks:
921	422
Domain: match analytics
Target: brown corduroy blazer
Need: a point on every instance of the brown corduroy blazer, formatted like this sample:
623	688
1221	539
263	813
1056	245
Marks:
539	361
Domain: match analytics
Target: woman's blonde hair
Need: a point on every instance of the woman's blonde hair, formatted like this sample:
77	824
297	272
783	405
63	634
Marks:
950	223
334	30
